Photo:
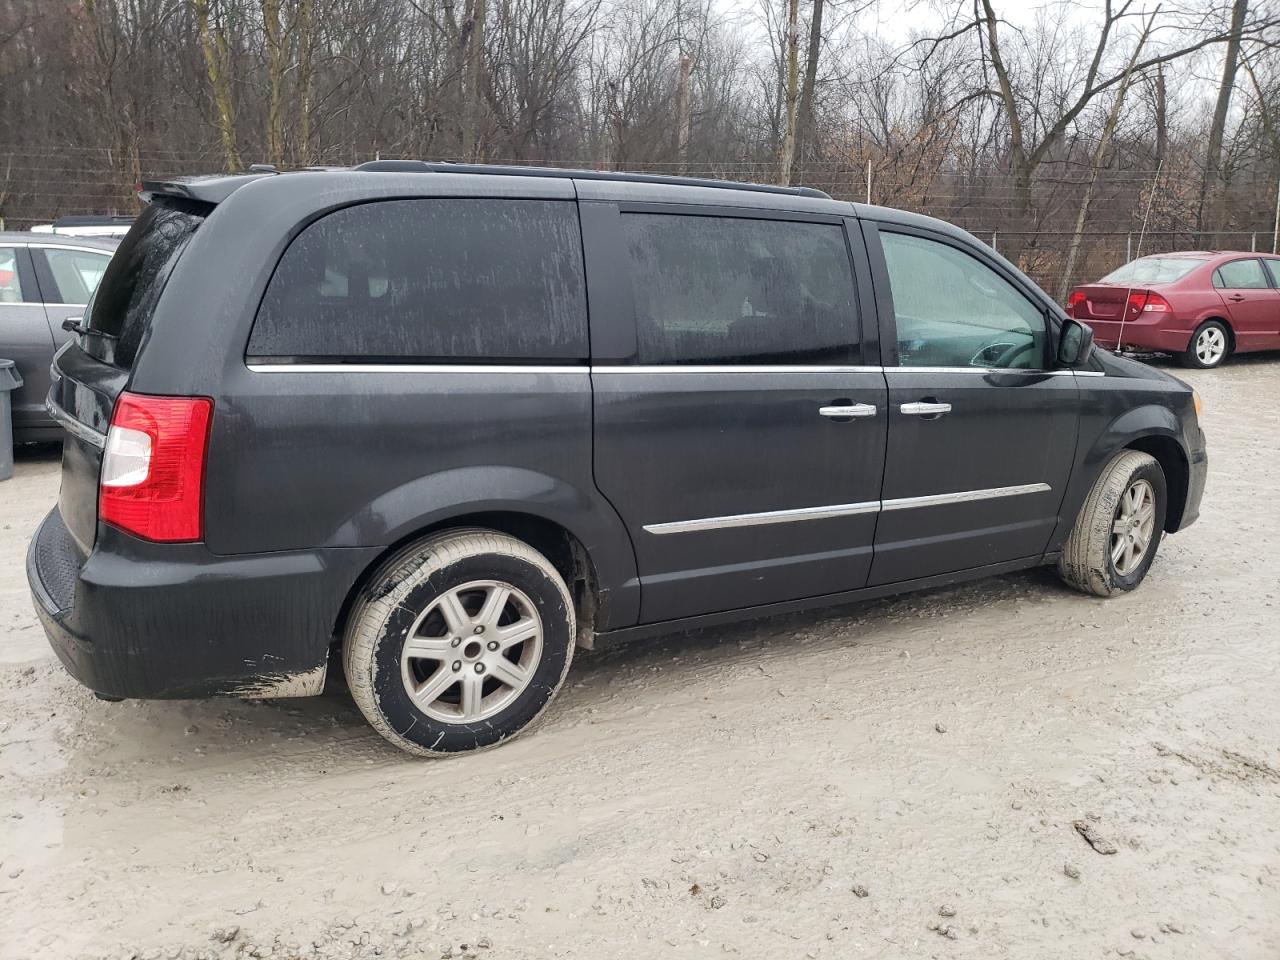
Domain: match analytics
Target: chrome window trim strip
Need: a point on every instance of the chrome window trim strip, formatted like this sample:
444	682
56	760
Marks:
733	368
982	370
963	496
74	426
614	369
757	519
841	509
410	368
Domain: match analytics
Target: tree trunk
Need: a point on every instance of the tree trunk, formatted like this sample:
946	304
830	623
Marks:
1217	129
1021	164
1162	118
475	71
304	26
213	44
274	44
684	119
805	126
787	155
1095	164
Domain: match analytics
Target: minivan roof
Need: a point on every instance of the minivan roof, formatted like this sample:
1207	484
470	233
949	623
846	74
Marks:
216	188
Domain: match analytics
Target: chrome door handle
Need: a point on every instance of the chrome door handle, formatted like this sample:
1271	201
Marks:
925	409
850	410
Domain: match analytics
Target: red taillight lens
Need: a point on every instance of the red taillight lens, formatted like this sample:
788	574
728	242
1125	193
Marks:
1156	304
1146	301
1073	301
153	467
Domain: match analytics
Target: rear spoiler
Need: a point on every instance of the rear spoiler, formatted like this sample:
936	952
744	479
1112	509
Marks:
211	190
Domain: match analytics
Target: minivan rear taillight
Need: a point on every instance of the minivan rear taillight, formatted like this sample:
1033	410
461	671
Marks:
153	467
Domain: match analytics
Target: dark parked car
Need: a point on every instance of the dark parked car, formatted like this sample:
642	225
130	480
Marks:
455	419
44	280
1201	307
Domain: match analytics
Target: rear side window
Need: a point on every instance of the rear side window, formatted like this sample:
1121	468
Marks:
126	297
75	272
730	290
1241	275
448	279
10	285
1273	268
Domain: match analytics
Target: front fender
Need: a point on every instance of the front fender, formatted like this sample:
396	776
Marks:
438	498
1105	431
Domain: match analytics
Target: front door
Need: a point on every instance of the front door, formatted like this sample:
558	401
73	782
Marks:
982	432
737	432
1251	302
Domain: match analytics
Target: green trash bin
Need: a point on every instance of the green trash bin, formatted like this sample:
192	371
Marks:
9	381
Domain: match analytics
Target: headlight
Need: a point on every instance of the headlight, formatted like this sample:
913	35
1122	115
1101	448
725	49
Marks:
1195	399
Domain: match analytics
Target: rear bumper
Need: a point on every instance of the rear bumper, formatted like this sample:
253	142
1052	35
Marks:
1139	335
145	620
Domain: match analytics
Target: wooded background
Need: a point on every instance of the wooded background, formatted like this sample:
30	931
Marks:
1049	131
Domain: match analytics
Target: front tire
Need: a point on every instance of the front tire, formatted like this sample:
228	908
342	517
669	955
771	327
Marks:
459	643
1118	531
1209	346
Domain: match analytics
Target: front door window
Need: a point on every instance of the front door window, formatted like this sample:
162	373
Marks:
952	310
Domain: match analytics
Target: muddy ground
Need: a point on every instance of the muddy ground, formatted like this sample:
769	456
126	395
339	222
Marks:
893	779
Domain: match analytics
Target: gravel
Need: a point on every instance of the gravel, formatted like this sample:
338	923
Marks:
666	764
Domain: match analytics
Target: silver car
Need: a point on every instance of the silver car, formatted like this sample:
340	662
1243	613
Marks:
44	280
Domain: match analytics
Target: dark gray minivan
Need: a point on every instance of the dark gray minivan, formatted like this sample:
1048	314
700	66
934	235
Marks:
454	420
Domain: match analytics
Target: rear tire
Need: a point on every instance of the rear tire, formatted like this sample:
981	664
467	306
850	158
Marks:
460	642
1210	345
1124	511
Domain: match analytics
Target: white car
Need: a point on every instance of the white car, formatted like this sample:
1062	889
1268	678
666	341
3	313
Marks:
87	226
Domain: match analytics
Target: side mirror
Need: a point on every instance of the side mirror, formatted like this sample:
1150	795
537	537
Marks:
1075	344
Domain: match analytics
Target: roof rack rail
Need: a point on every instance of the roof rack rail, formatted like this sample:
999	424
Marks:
503	170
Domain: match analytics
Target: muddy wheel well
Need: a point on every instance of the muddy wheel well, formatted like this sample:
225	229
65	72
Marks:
1177	474
562	548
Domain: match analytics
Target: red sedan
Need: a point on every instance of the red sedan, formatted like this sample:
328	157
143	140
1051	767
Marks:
1200	306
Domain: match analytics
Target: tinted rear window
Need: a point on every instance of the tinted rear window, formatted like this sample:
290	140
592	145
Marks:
735	290
1154	270
448	279
126	297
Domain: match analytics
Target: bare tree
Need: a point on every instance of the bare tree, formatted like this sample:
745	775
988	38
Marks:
1095	161
1218	126
213	44
804	124
786	155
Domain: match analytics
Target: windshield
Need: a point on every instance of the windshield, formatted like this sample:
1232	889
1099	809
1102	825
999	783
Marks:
1154	270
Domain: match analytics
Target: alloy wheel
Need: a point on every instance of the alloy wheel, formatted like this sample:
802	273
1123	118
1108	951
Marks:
1133	527
1211	345
472	651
